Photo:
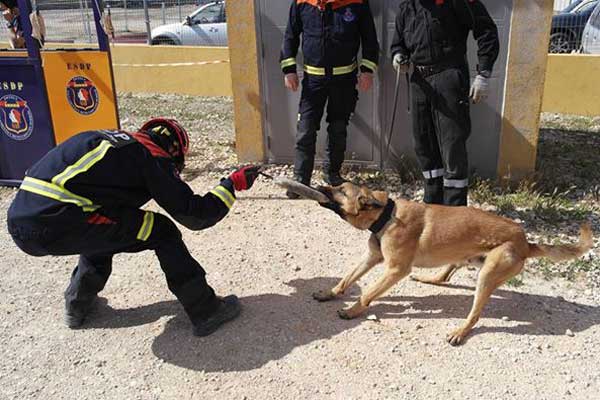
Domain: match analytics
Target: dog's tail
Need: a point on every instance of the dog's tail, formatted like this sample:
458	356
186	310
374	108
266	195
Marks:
564	252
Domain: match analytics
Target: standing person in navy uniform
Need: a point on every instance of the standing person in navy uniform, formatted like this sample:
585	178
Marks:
432	35
84	197
332	32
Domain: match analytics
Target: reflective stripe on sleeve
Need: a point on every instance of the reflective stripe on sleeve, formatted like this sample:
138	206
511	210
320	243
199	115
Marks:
369	64
288	62
224	195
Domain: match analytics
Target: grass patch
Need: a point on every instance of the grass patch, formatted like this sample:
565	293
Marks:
515	282
548	206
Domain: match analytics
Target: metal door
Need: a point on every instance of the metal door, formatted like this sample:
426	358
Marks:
281	105
369	127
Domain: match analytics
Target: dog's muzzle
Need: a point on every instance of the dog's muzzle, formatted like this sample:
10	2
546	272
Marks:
332	204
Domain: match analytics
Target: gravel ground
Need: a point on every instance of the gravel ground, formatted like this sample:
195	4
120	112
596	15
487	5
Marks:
535	341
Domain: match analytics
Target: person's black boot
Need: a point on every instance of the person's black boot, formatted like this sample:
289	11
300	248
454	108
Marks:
333	178
228	309
74	318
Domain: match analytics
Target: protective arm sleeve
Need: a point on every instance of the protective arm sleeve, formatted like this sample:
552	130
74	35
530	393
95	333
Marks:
474	15
177	198
368	38
291	41
398	44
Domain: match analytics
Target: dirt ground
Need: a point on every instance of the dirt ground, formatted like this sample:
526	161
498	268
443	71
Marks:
535	341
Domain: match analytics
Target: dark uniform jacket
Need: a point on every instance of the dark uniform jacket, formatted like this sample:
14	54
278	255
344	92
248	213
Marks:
332	32
431	32
104	169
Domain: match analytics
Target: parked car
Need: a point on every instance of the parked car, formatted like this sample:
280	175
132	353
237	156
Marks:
206	26
568	24
591	34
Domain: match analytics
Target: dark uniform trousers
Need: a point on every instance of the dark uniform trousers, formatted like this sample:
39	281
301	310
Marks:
97	237
441	126
340	95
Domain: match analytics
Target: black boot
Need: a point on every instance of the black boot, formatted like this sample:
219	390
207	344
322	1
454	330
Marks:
336	147
74	318
229	309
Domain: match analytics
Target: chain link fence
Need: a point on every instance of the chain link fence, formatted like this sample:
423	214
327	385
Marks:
189	22
568	24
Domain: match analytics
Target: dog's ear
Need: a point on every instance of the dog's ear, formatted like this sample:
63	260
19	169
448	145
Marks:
372	200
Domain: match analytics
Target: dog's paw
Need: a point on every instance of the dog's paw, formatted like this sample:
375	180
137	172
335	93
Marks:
344	314
456	337
323	295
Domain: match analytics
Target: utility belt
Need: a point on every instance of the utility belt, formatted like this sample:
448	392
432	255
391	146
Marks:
429	70
328	71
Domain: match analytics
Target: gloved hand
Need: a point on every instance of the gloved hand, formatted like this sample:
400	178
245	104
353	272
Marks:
479	89
401	63
244	178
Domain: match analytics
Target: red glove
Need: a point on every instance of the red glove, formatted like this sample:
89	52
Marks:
244	177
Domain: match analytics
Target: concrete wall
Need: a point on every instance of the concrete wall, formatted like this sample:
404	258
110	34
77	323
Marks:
200	80
572	85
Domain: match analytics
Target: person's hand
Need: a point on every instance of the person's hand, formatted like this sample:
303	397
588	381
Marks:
365	81
479	89
244	178
291	81
401	63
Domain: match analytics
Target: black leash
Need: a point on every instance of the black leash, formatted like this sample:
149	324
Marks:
395	109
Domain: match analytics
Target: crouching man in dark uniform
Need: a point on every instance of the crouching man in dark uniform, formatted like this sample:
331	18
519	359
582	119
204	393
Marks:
84	196
332	32
432	35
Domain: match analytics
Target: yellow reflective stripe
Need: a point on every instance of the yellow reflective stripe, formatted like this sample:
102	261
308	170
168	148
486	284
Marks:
56	192
287	62
369	64
146	229
314	70
346	69
226	197
83	164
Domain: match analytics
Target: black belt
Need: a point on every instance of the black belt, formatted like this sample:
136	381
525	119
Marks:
429	70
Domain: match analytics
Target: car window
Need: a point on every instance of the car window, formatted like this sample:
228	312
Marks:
586	7
210	15
595	18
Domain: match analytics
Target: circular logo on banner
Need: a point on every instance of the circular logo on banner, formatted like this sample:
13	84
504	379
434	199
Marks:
16	120
82	95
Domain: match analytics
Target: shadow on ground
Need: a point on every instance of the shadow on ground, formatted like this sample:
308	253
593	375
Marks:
273	325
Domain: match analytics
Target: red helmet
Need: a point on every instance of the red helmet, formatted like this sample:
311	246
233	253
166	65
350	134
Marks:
170	129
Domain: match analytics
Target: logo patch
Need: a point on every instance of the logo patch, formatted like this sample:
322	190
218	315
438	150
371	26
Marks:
16	118
82	95
348	15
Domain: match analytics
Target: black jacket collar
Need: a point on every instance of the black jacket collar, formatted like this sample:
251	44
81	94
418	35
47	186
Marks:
384	218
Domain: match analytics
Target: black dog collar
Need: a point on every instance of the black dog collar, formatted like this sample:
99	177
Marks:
384	218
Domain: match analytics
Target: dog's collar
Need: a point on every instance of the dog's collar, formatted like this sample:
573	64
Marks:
384	218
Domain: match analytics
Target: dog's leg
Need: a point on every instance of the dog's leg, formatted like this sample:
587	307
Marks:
371	258
502	263
395	270
439	279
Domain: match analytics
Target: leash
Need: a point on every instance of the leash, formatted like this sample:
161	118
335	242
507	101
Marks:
395	109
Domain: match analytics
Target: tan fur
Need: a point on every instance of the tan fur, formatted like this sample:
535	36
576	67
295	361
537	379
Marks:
431	236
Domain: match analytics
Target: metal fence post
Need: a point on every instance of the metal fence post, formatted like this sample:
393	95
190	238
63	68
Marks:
126	19
164	16
147	18
179	9
85	21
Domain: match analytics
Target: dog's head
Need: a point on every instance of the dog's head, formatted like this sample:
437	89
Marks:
358	205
